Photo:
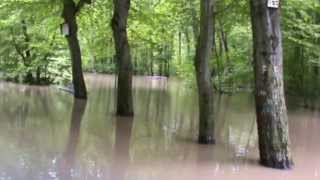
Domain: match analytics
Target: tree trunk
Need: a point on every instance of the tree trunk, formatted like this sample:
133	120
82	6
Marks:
180	48
27	60
69	15
119	27
167	59
38	75
205	89
27	42
271	109
151	61
188	43
161	68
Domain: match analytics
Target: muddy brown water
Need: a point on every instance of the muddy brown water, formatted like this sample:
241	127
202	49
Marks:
46	135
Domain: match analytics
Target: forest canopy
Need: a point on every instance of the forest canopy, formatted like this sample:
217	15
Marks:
162	36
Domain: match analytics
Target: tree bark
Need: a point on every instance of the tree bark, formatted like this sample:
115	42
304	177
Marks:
70	11
271	109
119	27
203	74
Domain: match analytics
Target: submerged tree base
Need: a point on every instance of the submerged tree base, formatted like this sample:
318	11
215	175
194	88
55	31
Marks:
276	164
125	113
81	92
81	97
206	140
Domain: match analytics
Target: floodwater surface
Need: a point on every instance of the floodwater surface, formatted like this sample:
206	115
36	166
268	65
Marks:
46	135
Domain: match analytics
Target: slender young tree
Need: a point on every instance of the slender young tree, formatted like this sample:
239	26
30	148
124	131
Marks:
119	27
271	109
205	88
70	11
27	60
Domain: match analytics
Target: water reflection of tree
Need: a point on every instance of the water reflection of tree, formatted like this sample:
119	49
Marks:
164	115
121	157
28	119
67	163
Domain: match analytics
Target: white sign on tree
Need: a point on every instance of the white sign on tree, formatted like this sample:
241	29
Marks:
65	30
273	3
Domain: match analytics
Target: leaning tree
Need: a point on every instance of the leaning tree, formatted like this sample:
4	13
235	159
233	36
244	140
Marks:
69	14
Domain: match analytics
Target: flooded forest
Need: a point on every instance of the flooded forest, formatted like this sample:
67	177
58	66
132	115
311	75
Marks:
159	89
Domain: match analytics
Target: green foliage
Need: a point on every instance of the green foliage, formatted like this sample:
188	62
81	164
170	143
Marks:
162	37
301	24
30	43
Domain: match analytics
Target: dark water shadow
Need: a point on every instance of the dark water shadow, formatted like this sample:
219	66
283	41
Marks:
68	159
121	152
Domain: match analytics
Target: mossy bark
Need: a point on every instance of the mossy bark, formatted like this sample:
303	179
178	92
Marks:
271	109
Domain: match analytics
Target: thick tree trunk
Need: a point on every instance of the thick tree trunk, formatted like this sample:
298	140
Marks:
205	89
69	15
119	27
271	109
